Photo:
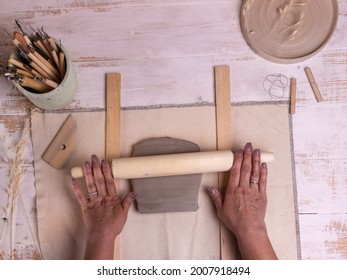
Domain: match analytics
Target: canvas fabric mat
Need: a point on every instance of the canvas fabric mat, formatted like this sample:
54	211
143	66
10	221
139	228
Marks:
183	235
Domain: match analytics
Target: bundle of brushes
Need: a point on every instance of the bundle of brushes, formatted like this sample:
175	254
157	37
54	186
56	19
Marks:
38	62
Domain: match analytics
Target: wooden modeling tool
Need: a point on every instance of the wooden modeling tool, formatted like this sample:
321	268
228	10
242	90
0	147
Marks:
39	54
40	64
13	69
46	66
38	43
19	64
20	38
25	42
63	144
292	95
313	84
36	85
25	73
50	83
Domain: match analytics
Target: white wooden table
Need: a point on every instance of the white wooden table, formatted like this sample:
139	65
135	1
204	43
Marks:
166	51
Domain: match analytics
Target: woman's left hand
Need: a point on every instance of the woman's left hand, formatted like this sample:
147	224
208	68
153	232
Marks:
104	213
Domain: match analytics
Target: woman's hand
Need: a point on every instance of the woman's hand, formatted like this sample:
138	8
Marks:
104	213
242	208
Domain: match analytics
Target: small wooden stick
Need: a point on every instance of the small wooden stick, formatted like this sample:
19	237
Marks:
292	95
313	84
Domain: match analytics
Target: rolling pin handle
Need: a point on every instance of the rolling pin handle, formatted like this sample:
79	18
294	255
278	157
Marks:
77	172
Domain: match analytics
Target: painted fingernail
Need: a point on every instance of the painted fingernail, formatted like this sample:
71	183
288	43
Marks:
94	158
73	181
239	153
257	152
248	146
263	165
133	195
104	163
211	190
86	165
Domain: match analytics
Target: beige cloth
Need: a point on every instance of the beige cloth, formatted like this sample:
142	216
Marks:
187	235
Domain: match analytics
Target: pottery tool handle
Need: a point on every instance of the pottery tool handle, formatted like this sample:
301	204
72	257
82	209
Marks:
35	84
171	165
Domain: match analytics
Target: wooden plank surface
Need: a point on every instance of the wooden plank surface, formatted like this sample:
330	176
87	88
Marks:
166	57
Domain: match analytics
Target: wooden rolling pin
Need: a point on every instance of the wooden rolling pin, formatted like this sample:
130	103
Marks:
172	164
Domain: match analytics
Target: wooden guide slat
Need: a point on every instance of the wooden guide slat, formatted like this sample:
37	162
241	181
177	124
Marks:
229	249
113	127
